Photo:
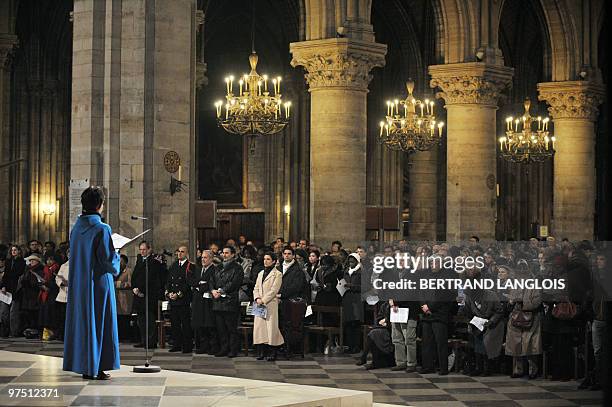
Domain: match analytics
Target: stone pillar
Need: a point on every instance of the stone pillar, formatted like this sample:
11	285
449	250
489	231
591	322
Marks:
423	173
7	42
133	100
470	91
338	76
87	91
573	107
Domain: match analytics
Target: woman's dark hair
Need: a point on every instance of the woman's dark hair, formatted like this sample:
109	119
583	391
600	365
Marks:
249	252
125	258
92	198
271	254
316	253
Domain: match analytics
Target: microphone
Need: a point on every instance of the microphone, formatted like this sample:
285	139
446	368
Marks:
134	217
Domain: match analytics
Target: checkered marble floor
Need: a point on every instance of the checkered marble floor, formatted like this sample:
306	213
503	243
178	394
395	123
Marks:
332	372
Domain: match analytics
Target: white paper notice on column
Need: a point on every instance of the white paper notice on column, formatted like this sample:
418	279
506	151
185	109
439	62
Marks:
77	186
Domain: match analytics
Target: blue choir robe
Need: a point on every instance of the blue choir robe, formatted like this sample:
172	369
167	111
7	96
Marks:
91	339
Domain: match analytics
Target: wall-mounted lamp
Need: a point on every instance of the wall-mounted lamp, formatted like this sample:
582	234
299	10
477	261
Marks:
176	185
48	208
287	209
480	55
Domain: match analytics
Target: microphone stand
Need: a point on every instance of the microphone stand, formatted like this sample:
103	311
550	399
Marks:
147	367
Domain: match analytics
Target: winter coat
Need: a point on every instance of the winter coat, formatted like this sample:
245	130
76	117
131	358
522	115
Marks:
267	330
123	289
227	279
294	283
199	279
485	304
442	305
13	269
525	342
327	280
28	288
352	306
157	269
248	280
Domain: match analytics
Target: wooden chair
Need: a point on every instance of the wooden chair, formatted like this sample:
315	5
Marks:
370	312
320	329
245	328
162	322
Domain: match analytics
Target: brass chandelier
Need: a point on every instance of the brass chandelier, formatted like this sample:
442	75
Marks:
252	109
526	142
410	124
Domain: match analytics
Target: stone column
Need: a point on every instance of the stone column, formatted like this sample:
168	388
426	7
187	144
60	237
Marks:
573	107
7	42
87	91
470	91
338	76
133	98
423	196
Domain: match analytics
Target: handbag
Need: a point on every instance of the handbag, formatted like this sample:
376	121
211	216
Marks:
564	310
521	319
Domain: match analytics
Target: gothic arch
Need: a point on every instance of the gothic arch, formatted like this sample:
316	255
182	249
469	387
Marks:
563	44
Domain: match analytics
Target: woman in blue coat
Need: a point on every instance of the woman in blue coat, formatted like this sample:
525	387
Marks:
91	343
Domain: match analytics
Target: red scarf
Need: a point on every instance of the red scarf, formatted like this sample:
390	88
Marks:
48	276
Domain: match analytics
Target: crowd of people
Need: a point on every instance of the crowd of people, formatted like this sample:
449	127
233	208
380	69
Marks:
206	294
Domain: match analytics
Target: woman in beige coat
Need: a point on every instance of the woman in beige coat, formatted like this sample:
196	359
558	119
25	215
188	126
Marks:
266	334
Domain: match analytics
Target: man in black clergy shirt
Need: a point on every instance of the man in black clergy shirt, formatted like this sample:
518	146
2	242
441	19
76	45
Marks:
293	292
178	292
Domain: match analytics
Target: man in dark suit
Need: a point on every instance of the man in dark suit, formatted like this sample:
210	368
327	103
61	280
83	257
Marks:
226	305
178	292
202	316
157	269
293	293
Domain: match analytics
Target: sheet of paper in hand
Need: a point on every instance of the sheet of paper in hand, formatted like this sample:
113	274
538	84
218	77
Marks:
308	311
400	316
6	298
341	287
479	323
119	242
260	311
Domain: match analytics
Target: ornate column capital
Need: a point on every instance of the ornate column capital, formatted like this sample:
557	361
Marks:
572	99
338	62
7	43
470	82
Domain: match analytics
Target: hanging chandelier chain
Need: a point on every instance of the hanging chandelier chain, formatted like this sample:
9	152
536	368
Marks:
253	28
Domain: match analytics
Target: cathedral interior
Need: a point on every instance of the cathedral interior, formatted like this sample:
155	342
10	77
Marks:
98	92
